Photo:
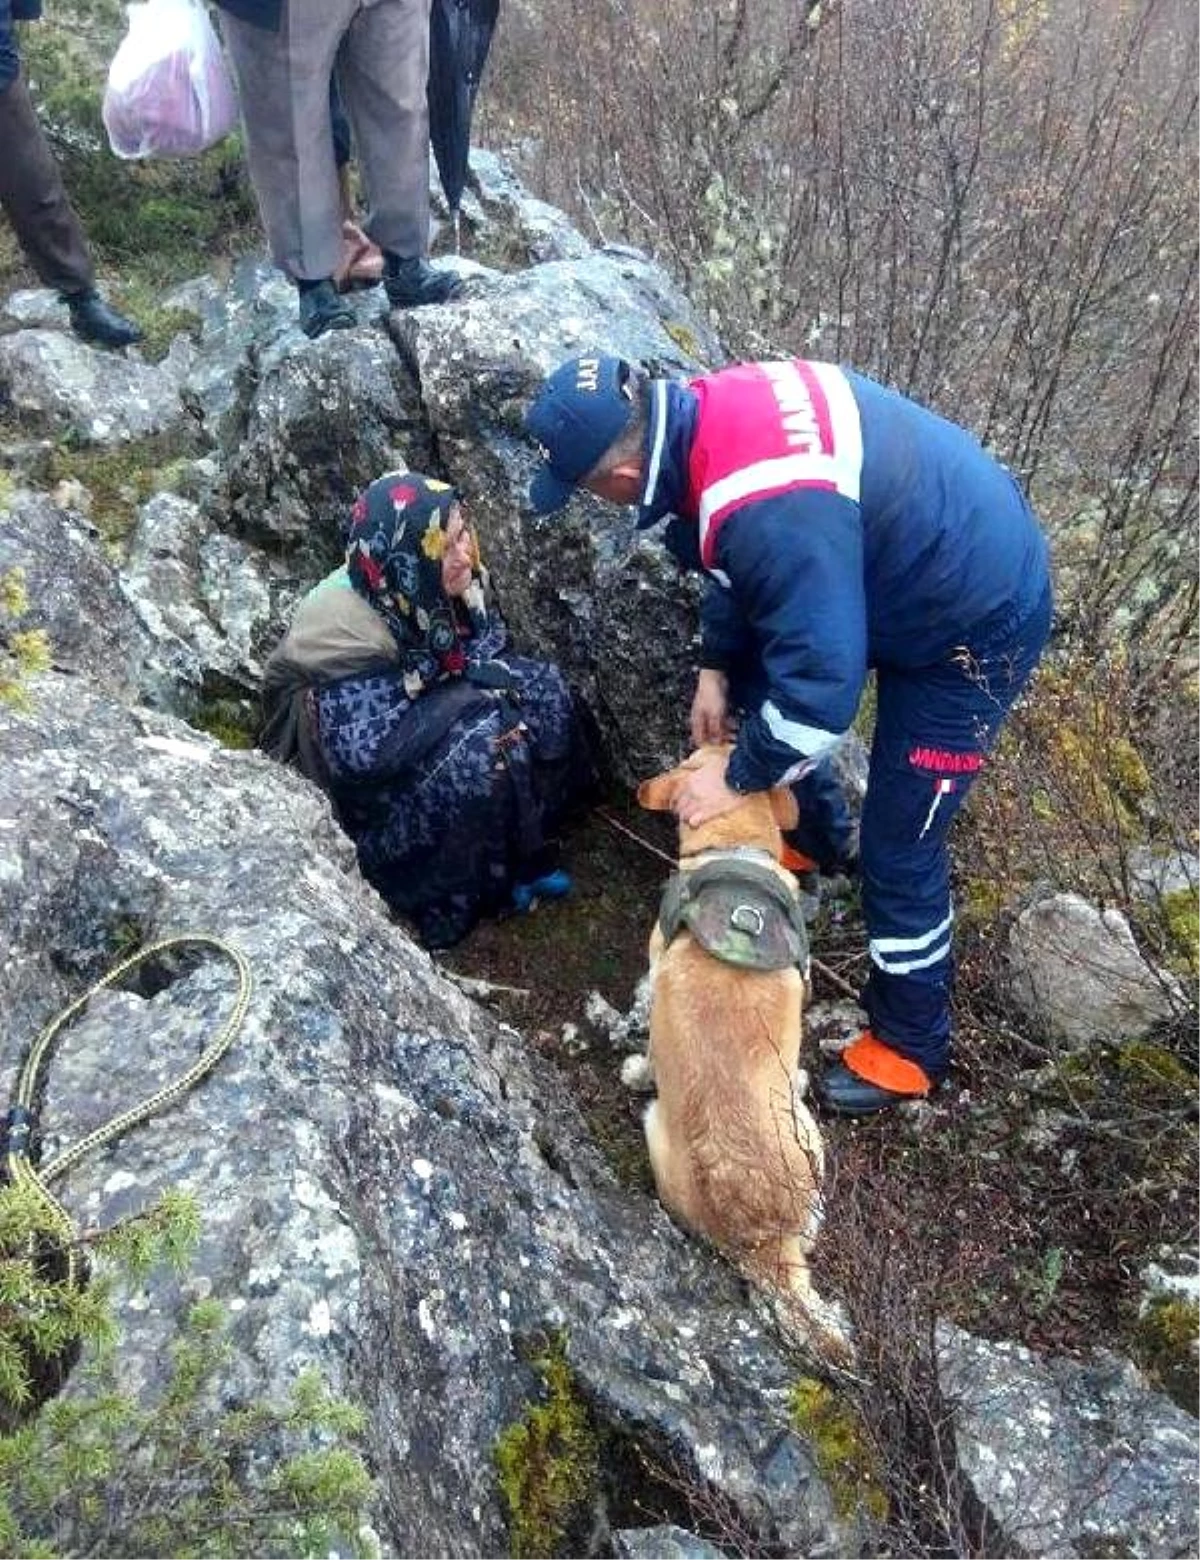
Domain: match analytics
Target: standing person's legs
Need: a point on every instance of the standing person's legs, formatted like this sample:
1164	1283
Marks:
283	83
382	72
361	261
934	728
35	201
826	833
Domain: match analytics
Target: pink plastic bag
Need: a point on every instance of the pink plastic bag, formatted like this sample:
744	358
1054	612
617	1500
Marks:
169	92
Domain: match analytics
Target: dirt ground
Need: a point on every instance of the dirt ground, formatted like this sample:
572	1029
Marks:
594	941
969	1206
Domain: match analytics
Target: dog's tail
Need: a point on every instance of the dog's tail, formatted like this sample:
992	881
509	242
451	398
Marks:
819	1328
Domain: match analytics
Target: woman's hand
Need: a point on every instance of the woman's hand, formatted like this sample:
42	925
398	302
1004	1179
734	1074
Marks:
704	794
710	708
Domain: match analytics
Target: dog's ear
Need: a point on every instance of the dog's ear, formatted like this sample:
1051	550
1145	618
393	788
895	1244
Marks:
783	806
658	794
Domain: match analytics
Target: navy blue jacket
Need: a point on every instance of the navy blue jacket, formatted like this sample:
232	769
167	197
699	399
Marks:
843	526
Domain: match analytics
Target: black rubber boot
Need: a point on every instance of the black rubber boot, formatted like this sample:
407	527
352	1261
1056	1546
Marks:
412	282
322	308
844	1093
93	320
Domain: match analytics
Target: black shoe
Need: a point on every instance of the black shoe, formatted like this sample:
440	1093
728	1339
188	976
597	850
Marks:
410	283
92	320
844	1093
322	308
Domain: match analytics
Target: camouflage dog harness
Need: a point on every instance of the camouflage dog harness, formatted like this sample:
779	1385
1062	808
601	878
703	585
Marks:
740	911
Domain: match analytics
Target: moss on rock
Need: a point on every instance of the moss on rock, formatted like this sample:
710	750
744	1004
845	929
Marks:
845	1459
1166	1343
1181	916
138	296
233	722
548	1462
1154	1074
119	479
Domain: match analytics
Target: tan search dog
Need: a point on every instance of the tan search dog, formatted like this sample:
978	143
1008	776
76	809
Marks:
737	1156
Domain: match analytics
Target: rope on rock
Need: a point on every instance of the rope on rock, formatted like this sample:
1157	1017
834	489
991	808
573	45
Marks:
19	1124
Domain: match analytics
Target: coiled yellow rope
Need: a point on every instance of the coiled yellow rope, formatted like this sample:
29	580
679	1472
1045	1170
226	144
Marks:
20	1117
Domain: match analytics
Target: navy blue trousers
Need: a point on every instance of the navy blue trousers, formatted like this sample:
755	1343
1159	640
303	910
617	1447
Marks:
934	728
825	832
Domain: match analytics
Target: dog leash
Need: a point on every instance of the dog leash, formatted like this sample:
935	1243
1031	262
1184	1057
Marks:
831	976
615	823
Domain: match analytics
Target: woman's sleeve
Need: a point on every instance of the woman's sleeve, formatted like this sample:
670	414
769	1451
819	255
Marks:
360	719
492	639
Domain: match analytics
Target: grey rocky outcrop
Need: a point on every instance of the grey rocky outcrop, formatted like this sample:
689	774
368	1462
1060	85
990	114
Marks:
1077	974
1156	874
51	382
1069	1457
291	429
663	1543
203	596
1174	1275
508	227
74	592
393	1189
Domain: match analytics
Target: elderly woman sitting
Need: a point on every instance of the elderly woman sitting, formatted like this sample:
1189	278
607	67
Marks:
450	760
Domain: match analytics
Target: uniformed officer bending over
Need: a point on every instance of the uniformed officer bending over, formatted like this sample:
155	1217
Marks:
842	527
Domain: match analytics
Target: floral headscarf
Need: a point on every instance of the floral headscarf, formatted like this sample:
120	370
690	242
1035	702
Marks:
394	553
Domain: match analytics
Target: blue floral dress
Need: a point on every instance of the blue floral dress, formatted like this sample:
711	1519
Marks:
444	834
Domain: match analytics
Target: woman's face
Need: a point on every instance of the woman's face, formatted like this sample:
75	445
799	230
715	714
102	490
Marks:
458	554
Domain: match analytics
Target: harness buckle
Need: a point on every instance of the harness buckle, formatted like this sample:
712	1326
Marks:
747	918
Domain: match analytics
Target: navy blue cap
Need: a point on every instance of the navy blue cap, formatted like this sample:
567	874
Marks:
581	411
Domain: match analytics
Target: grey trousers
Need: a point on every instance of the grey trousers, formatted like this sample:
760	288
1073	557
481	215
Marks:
381	52
34	200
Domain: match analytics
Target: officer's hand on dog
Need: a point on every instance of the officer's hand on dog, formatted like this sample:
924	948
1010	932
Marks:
704	794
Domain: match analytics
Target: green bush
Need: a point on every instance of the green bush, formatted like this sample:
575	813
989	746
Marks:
104	1473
